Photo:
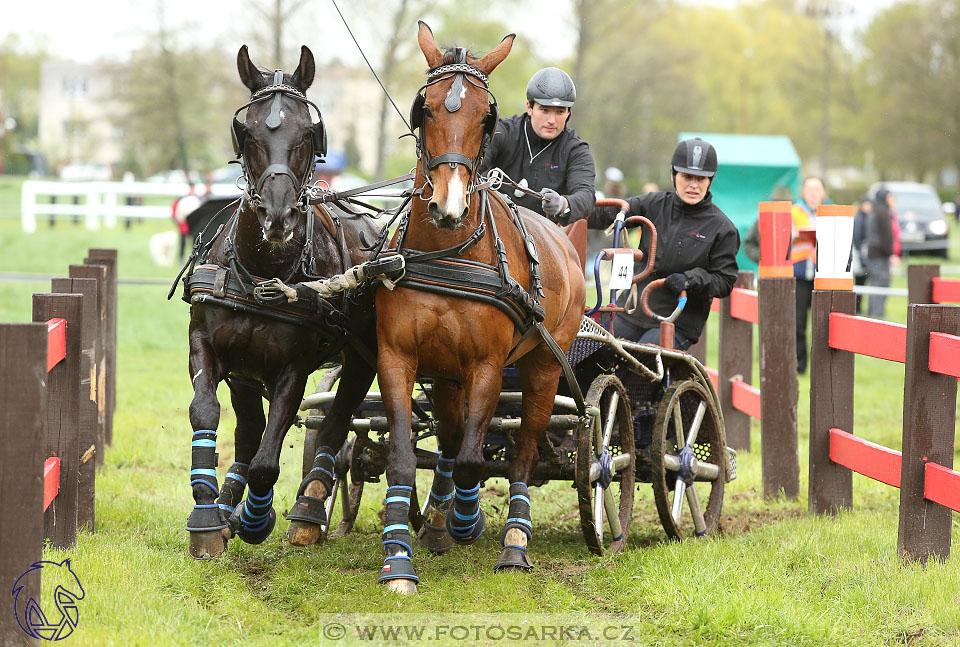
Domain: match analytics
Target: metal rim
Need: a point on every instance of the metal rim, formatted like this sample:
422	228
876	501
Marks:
688	470
605	512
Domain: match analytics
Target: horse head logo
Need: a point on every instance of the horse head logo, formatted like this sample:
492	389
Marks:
67	593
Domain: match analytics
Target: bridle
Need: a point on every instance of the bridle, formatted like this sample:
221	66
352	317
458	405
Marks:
318	141
459	71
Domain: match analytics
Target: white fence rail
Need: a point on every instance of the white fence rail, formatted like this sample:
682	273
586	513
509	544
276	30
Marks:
98	203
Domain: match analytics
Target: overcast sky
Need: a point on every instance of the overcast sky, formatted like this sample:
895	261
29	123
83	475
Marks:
88	30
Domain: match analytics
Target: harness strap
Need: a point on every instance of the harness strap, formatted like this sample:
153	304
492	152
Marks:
575	391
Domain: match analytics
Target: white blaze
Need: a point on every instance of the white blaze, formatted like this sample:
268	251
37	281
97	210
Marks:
454	205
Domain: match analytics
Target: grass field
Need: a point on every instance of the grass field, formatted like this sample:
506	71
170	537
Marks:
774	576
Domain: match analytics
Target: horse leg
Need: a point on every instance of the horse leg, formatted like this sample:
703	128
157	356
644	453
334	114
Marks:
539	375
307	517
396	375
466	521
247	403
206	525
255	515
448	408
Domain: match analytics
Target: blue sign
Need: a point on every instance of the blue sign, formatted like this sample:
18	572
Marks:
68	592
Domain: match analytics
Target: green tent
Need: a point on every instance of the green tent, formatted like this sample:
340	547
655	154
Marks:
751	168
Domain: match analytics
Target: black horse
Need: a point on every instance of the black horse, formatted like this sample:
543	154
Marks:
270	352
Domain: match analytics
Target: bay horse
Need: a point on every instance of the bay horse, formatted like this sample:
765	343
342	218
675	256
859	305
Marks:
461	343
260	351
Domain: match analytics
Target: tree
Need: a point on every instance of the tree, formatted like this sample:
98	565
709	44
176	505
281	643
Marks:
19	86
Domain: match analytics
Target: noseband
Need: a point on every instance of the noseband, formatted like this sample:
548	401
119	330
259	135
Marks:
252	190
459	72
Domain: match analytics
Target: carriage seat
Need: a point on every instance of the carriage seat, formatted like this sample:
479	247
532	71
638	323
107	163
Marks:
577	233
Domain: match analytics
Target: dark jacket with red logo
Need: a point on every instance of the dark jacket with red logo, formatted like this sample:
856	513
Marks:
564	164
697	240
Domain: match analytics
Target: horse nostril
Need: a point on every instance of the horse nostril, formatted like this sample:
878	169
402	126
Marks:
267	223
463	214
434	211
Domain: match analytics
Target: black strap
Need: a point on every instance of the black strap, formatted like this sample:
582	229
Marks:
452	159
565	365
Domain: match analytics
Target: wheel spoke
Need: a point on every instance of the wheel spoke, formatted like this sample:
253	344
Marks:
331	501
696	511
611	417
695	425
678	424
598	511
621	462
613	513
678	499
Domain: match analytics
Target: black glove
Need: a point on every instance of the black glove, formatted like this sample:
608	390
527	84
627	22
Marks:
553	203
676	283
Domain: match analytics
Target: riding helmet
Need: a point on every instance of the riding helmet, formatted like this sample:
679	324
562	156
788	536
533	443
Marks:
551	86
695	157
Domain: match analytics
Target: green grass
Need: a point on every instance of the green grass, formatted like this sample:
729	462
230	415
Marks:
775	576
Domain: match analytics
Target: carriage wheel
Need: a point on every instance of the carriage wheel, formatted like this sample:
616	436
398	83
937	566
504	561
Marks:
688	459
605	468
345	491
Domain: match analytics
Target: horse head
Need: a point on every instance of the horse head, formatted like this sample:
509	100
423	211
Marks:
456	119
277	143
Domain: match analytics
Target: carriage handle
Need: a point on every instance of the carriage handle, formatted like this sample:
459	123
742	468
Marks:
619	223
645	302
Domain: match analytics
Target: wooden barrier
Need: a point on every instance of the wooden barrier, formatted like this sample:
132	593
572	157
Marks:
53	376
735	363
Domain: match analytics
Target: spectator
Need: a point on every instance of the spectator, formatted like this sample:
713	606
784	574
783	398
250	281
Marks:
858	253
881	248
613	187
803	256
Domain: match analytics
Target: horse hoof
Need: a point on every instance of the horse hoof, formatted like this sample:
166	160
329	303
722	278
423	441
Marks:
513	558
435	539
403	587
304	533
207	545
254	536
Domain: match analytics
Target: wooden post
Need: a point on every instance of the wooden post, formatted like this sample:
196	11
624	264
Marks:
88	448
778	387
63	419
929	419
99	273
920	283
108	257
23	416
831	404
735	358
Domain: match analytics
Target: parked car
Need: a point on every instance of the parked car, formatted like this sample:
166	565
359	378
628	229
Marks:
85	172
924	227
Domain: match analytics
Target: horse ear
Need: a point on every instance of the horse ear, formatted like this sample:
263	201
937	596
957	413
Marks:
428	45
303	77
249	73
489	62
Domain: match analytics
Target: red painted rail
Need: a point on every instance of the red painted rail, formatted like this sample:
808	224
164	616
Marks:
946	290
57	342
945	354
941	485
870	337
743	305
746	398
715	305
863	457
51	480
714	376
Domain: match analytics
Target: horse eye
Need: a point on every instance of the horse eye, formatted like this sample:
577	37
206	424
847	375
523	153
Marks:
428	112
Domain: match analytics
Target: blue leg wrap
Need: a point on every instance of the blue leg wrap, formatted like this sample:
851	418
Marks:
256	517
513	556
203	479
465	520
396	536
441	493
233	487
308	508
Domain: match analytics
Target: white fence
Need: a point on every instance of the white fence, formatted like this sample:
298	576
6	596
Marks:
98	203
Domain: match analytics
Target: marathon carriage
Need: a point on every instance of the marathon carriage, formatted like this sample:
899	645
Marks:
652	415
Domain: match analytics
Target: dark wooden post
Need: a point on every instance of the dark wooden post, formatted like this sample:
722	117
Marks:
780	459
831	404
929	419
99	273
63	419
23	416
735	357
920	283
86	489
108	257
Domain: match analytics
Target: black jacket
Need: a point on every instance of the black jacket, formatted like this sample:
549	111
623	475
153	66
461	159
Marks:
880	228
566	166
697	240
